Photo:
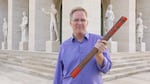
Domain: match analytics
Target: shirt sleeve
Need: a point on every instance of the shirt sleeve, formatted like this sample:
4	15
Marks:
107	64
59	69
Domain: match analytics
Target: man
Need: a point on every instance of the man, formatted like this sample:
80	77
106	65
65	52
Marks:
74	50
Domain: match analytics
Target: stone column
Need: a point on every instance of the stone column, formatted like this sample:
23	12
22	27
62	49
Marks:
93	8
3	14
38	25
15	9
126	35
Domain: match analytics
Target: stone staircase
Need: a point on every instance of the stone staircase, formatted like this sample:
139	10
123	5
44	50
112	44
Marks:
126	64
42	64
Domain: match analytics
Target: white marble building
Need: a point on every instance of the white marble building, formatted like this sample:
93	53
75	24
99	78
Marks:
39	22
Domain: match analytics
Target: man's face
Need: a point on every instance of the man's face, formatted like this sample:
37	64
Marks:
79	22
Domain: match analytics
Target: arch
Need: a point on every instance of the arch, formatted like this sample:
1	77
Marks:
58	4
104	4
3	14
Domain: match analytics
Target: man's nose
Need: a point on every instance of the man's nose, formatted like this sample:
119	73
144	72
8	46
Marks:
79	22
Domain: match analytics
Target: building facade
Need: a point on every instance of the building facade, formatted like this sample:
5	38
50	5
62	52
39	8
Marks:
39	23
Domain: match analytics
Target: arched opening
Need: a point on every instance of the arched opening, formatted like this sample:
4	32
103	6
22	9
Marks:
3	14
58	4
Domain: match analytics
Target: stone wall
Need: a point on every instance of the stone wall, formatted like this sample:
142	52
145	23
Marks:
93	8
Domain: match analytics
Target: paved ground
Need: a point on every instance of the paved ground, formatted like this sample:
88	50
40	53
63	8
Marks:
8	76
142	78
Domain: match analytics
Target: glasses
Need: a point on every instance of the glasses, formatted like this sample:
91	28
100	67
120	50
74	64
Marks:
81	20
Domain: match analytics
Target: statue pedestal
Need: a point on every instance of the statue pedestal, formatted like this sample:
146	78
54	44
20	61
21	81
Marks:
141	47
52	46
4	45
113	46
23	45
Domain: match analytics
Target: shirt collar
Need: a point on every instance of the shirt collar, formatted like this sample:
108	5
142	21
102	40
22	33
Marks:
86	36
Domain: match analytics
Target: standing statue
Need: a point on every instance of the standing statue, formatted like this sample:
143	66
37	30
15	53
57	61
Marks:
140	28
109	18
5	30
24	27
53	24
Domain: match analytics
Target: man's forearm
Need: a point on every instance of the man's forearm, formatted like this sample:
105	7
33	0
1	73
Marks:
100	59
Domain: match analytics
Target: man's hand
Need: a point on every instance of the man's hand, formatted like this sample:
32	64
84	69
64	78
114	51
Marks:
101	46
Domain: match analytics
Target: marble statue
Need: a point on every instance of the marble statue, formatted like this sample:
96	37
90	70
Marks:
5	30
53	24
140	28
24	27
109	18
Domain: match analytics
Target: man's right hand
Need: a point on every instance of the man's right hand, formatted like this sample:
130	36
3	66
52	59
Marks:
101	45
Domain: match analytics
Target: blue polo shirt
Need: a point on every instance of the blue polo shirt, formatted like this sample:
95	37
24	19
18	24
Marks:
71	53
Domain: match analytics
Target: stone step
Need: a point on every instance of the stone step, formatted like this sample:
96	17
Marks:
40	62
123	64
126	54
29	71
39	59
33	67
39	68
36	63
46	61
34	54
127	68
128	57
130	60
115	76
21	78
32	60
32	70
43	64
51	65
